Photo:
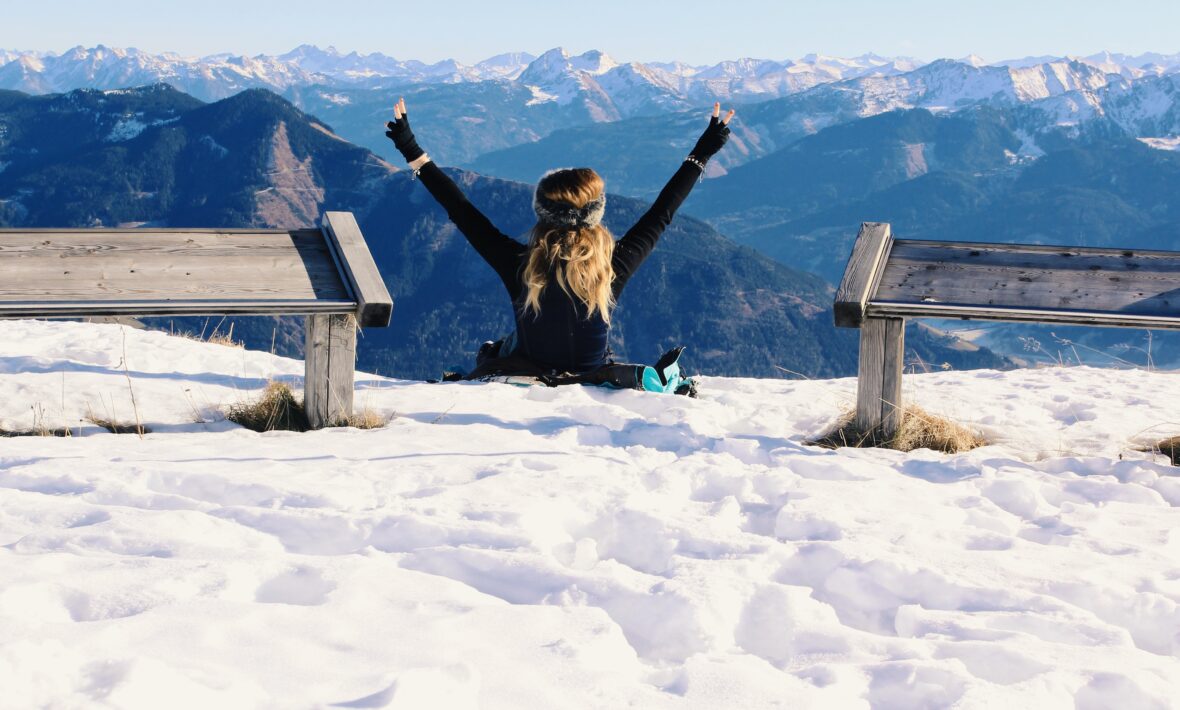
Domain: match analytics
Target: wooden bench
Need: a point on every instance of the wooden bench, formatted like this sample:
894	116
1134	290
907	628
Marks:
326	274
888	280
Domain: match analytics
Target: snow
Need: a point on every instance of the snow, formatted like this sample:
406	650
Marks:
126	129
503	547
1028	146
1167	143
540	96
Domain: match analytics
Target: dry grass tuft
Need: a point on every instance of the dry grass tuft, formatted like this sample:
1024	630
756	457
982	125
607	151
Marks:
226	339
919	430
40	426
276	409
216	337
116	427
366	419
62	432
1169	447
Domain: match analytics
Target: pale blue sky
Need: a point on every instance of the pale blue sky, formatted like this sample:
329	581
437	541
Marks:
695	31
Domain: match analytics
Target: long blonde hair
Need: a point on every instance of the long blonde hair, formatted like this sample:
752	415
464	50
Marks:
582	253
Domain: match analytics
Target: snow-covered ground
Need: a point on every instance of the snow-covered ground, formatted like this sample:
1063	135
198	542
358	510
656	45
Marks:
504	547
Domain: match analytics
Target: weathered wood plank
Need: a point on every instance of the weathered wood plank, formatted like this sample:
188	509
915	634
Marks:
1019	315
95	266
1028	256
864	267
236	281
870	378
1134	297
330	362
144	230
1014	281
1045	248
892	363
100	242
78	309
878	386
117	290
374	304
914	278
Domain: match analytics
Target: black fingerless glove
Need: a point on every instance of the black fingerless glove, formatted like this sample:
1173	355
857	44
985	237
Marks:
711	140
403	139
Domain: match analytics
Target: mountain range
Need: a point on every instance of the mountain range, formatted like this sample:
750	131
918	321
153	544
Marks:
1049	106
1073	151
255	160
219	75
515	114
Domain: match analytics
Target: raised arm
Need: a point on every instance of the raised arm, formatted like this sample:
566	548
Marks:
499	250
640	240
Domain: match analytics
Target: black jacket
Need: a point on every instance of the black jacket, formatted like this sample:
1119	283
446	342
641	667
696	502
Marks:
561	337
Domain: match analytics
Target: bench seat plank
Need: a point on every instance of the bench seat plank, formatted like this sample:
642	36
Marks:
100	272
1029	283
79	309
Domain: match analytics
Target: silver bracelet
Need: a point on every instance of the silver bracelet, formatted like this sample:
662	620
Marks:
694	161
418	163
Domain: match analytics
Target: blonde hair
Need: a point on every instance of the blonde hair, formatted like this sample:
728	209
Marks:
582	254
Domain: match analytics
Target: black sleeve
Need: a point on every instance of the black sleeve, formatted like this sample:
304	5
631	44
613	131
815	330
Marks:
498	249
638	242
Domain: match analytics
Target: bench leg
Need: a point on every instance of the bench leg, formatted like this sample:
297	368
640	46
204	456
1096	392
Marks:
878	386
330	357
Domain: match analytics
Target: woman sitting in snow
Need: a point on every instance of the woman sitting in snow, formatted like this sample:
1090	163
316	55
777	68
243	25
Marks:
561	333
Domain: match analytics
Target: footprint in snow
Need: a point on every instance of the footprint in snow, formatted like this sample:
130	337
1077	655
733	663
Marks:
304	586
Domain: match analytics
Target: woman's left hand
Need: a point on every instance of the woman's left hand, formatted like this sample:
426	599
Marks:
715	135
399	132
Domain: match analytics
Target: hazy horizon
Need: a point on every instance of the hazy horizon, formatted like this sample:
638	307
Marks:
691	31
344	51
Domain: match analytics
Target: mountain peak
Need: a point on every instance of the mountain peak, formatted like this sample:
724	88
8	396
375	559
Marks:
553	55
593	62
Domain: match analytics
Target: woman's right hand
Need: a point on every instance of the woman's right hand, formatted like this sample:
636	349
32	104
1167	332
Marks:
715	135
399	132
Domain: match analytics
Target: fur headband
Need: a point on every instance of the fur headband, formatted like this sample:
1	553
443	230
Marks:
563	214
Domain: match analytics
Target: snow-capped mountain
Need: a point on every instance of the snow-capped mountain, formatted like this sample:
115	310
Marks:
102	67
604	88
947	85
643	89
561	78
1069	98
505	66
1129	66
1146	108
513	99
556	75
330	65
